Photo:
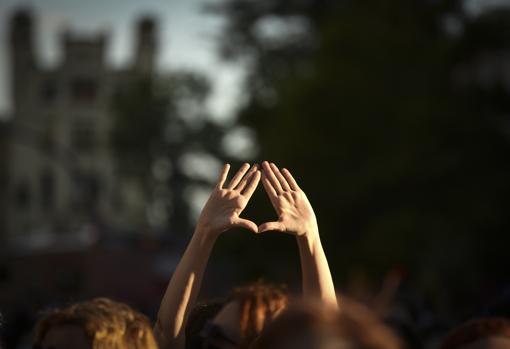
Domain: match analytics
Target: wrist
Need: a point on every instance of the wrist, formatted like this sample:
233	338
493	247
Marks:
204	236
310	237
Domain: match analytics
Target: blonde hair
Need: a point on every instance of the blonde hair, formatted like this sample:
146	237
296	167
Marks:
107	324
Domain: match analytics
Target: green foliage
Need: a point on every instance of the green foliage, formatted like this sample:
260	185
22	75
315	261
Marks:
140	111
402	169
163	118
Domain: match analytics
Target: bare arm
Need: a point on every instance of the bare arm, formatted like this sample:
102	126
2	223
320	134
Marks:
296	216
317	281
220	213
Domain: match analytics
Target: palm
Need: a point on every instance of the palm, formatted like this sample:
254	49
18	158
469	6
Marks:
227	206
222	210
294	210
295	214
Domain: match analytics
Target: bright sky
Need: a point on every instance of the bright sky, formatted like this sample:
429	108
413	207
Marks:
187	38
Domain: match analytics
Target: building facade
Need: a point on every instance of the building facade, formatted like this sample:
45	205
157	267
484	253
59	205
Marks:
61	172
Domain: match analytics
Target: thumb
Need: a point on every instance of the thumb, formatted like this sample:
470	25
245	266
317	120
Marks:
278	226
245	223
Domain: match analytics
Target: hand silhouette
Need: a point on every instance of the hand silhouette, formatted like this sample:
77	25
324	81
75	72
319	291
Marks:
222	210
295	214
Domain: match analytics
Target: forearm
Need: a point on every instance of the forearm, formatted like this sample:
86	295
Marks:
317	280
182	292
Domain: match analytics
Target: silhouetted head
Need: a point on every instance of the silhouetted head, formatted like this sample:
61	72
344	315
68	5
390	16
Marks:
483	333
201	314
315	326
243	316
99	324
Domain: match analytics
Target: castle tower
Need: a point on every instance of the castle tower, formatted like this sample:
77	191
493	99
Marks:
61	167
22	56
146	46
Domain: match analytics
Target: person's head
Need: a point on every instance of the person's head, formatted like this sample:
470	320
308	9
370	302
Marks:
314	326
244	315
483	333
96	324
201	314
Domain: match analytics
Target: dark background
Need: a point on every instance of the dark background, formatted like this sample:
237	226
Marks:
392	115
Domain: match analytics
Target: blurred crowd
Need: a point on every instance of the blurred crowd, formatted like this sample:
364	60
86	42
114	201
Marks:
261	315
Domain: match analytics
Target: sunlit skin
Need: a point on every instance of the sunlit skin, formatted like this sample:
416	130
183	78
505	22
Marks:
295	213
223	212
296	217
65	337
223	209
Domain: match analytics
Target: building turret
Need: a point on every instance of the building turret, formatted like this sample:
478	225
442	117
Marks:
146	46
22	56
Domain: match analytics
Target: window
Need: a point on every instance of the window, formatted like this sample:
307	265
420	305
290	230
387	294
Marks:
47	190
83	137
22	195
47	137
49	91
87	189
83	90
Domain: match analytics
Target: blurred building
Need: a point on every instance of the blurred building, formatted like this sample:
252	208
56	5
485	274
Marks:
60	172
3	177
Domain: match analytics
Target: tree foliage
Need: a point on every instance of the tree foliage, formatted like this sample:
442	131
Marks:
161	126
404	168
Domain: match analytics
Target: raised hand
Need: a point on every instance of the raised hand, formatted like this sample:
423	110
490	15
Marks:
295	214
220	213
222	210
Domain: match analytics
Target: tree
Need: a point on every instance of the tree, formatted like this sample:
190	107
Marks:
357	98
165	141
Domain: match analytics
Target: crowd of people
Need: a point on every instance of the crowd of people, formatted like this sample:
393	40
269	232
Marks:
258	315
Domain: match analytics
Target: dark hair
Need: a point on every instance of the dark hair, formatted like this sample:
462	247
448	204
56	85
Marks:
475	330
354	324
199	316
259	303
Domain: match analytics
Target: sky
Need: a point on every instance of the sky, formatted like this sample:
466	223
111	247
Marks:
187	39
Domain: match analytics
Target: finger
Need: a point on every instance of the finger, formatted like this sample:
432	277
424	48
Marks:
269	190
223	176
271	177
246	224
252	185
246	178
238	176
271	193
292	182
279	176
275	226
